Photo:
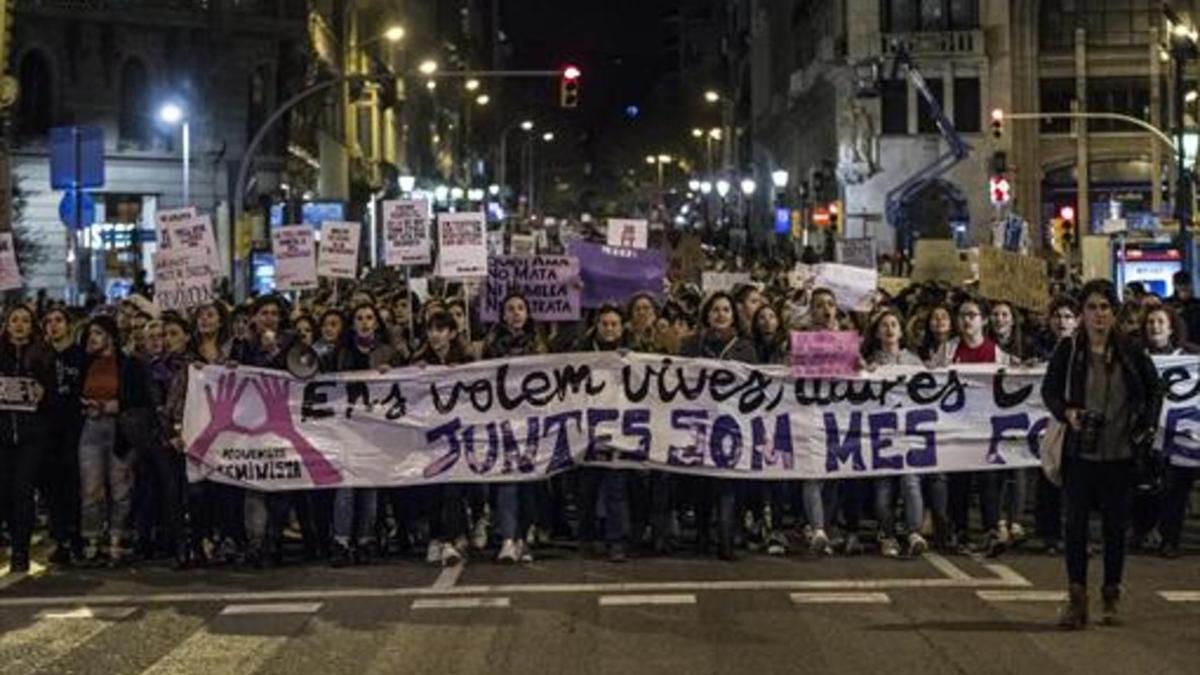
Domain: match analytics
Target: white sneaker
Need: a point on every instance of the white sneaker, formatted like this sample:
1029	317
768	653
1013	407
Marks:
450	556
917	544
1016	533
434	554
889	547
820	543
853	545
523	553
479	534
509	551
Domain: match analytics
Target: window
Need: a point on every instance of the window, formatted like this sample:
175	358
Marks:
1109	23
35	105
894	102
966	104
1125	95
1056	95
925	122
907	16
134	125
260	104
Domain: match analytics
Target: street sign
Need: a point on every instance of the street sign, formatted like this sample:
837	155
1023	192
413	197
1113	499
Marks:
76	157
87	209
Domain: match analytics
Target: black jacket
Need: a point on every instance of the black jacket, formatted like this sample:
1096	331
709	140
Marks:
705	345
1145	388
33	361
138	402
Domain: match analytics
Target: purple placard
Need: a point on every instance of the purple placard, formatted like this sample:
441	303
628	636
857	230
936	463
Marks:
549	282
612	274
825	353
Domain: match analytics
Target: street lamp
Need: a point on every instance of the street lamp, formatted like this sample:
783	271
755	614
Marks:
697	133
407	183
456	193
779	178
431	85
471	84
475	194
527	125
548	136
705	187
394	34
428	67
493	189
712	96
748	186
693	185
483	99
722	188
172	113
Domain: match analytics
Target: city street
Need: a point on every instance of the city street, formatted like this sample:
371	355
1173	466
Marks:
563	614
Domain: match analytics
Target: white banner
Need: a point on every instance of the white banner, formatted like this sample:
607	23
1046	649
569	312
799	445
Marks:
295	257
339	250
406	233
182	278
10	272
462	245
526	418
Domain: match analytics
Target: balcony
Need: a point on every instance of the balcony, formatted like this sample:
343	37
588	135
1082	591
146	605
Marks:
939	43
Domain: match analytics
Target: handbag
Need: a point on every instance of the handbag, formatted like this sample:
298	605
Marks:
1055	438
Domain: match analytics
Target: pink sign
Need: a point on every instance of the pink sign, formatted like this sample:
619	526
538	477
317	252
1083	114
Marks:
825	353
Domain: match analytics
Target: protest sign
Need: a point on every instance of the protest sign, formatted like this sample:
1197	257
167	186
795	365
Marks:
1096	252
182	278
19	394
462	245
612	274
186	228
295	257
527	418
1019	279
628	233
858	252
939	260
338	257
522	244
825	353
687	259
406	232
10	273
854	287
549	283
711	282
893	286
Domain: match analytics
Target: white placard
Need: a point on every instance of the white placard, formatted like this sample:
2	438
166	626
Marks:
182	278
406	232
854	287
462	245
339	250
628	233
10	273
185	227
522	244
295	257
711	282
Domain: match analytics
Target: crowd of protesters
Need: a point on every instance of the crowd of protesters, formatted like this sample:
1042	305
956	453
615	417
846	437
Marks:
101	456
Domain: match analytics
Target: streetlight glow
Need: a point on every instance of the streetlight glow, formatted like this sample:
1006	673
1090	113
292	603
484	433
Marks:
693	185
715	133
171	113
664	159
441	192
650	159
407	183
697	133
705	187
527	125
712	96
548	136
394	34
475	194
722	187
483	99
472	84
779	178
456	193
1191	96
748	186
493	189
428	67
431	85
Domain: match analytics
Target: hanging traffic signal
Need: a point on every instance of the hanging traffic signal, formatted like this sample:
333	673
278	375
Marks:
1066	218
997	124
568	87
1000	190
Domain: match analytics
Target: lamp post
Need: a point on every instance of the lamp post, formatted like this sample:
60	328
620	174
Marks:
172	113
502	164
1183	41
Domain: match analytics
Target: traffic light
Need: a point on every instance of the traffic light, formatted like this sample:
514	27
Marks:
1066	219
1000	190
997	124
568	87
835	217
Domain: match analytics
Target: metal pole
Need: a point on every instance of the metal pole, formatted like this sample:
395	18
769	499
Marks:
76	230
186	168
1183	192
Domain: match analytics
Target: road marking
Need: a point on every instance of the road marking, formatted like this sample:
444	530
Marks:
459	603
1180	596
1007	574
227	653
653	599
946	567
39	645
106	613
272	608
1022	596
36	569
449	576
840	598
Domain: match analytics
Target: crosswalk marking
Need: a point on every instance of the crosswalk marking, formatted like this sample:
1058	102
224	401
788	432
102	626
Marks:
225	653
1180	596
106	613
459	603
273	608
661	599
40	644
1022	596
840	598
7	579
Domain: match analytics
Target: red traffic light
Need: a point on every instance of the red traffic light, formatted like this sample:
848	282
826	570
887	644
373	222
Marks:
572	73
1067	213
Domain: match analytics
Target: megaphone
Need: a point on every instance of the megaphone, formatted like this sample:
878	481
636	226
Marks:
303	362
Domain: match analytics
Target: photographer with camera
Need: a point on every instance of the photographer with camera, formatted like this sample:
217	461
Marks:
1106	389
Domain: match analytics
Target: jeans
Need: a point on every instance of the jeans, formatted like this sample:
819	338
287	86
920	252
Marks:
612	486
988	483
1109	487
1048	512
516	504
662	505
914	505
936	493
60	480
265	513
1179	481
814	503
709	497
106	482
354	511
1013	493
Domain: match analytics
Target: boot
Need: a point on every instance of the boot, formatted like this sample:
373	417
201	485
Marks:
1110	595
1075	615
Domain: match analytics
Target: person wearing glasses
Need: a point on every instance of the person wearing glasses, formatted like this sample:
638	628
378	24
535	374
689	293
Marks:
1104	386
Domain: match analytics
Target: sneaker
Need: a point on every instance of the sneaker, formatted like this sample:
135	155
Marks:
777	544
479	534
820	543
992	546
917	544
889	547
450	556
339	555
509	551
524	554
1016	534
1002	532
853	545
1110	597
435	552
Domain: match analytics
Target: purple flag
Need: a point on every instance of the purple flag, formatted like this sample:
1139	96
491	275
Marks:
612	274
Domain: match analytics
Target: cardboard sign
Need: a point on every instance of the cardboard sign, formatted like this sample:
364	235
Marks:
339	250
628	233
939	260
858	252
406	238
185	228
18	394
1019	279
711	282
550	283
182	278
295	257
893	286
10	273
522	244
687	259
462	245
825	353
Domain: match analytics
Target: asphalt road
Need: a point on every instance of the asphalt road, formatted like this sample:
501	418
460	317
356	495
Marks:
563	614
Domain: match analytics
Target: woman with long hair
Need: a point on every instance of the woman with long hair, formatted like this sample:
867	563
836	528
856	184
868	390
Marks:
61	466
769	335
937	337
